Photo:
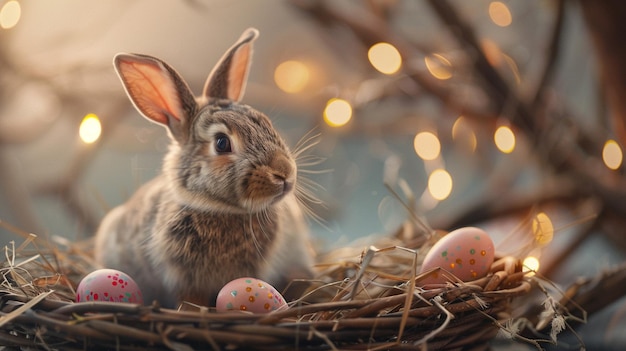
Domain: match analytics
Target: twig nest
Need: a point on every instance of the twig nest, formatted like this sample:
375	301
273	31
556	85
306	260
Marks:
466	253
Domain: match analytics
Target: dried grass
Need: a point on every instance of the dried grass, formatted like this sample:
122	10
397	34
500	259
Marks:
361	299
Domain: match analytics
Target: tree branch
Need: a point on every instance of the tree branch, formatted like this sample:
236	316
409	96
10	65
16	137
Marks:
605	20
554	48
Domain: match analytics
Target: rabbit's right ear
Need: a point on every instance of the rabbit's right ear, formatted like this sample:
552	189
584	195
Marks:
157	91
228	78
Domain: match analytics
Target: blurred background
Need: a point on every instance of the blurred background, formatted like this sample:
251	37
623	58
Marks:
509	115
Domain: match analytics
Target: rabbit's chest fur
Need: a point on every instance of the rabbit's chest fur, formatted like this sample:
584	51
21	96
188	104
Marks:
176	253
206	250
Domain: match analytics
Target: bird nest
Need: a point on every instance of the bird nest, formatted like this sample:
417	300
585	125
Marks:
363	298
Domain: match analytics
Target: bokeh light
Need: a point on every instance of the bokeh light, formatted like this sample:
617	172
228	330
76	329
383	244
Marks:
427	145
440	184
90	129
612	154
492	51
10	14
292	76
462	132
543	230
438	66
385	58
500	14
337	113
504	139
531	265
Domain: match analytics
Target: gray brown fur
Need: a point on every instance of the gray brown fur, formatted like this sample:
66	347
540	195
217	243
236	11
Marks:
209	217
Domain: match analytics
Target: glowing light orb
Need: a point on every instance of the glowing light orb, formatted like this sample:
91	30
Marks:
427	145
440	184
90	129
337	113
292	76
543	230
504	139
612	154
438	66
10	14
500	14
531	265
462	131
385	58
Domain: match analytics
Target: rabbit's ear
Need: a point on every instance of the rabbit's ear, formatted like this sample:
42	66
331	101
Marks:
228	78
157	91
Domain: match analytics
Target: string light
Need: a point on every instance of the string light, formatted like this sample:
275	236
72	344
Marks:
500	14
90	129
438	66
385	58
427	145
292	76
543	230
440	184
612	154
531	265
504	139
514	69
337	113
10	14
492	51
462	131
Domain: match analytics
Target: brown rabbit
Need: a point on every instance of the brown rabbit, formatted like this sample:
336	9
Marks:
224	205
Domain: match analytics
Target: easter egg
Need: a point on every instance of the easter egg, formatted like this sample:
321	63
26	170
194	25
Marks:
108	285
467	253
249	294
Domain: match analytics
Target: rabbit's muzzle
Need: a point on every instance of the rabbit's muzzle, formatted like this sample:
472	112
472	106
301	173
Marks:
270	183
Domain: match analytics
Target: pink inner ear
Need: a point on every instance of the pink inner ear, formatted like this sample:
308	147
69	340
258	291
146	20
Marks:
151	90
238	73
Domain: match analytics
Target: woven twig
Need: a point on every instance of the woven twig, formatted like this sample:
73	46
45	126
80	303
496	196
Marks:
370	300
116	325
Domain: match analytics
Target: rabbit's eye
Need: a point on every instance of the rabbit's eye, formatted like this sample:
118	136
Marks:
222	144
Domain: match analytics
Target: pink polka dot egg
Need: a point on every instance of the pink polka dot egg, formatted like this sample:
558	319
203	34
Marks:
108	285
467	253
249	294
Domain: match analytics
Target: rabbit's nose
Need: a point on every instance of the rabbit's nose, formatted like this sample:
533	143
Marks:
283	168
283	172
281	180
287	186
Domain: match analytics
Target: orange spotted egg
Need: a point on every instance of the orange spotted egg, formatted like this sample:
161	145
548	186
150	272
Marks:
249	294
467	253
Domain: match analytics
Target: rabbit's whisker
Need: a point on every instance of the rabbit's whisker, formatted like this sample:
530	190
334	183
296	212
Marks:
308	141
309	160
306	199
306	189
265	222
255	240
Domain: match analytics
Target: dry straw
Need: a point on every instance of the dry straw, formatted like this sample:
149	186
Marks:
362	299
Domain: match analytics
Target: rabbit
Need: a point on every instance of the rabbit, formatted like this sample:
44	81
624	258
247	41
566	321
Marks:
224	205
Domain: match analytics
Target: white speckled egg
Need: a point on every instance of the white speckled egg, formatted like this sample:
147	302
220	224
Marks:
249	294
467	253
108	285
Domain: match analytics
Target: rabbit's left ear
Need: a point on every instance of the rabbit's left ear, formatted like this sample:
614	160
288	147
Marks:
157	91
228	78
